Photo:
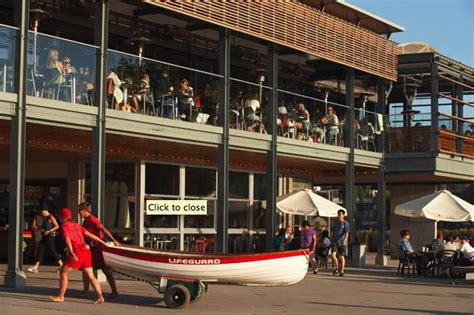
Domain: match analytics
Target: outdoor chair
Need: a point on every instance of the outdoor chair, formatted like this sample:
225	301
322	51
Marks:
405	261
322	258
445	260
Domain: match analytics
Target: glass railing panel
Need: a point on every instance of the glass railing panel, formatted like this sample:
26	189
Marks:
369	129
249	103
141	85
60	69
8	38
311	119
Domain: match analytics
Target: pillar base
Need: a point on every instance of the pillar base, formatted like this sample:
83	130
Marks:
381	260
14	279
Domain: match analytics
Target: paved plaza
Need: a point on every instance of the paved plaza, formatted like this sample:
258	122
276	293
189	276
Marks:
361	291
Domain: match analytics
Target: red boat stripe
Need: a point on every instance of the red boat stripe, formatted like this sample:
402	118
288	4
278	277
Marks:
202	260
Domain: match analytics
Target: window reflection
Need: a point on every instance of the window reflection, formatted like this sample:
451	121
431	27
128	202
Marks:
199	243
161	241
202	221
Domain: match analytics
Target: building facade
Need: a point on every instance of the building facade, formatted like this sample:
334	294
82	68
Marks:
124	102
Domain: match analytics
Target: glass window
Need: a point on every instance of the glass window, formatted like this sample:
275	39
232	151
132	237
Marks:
161	241
161	221
119	195
258	213
239	185
7	58
200	182
238	243
199	243
238	214
162	179
201	221
260	187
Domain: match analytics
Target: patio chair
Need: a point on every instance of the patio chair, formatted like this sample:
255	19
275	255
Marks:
405	261
445	260
322	258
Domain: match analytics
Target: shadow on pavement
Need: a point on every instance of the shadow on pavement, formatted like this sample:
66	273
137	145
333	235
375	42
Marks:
382	308
31	293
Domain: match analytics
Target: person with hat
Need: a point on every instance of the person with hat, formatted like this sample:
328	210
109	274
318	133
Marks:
94	226
79	255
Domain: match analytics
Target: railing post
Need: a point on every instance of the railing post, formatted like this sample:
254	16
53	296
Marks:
98	131
350	168
272	177
434	107
15	277
459	94
223	150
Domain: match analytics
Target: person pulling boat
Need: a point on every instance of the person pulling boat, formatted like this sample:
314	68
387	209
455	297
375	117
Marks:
94	226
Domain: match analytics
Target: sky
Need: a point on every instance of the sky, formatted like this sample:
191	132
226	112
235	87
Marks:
447	25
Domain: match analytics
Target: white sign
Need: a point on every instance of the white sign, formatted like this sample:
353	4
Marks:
176	207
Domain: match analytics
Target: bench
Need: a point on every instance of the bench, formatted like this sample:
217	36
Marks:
462	269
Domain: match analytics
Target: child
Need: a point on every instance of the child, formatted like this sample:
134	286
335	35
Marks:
79	255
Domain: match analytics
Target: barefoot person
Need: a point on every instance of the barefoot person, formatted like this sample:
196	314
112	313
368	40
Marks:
79	255
94	226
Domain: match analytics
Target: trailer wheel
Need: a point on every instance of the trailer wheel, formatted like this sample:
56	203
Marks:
177	296
196	298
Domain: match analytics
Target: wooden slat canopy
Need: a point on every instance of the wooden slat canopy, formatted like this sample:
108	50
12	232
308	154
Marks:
299	26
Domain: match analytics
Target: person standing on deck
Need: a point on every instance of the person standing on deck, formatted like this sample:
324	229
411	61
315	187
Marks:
94	226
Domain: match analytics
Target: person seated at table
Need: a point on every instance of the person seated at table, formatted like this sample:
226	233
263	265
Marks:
185	100
302	123
332	125
323	247
467	252
407	251
437	243
210	103
141	95
450	244
70	72
252	113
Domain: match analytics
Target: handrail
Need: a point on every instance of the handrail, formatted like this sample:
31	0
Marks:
166	63
457	82
455	99
9	26
455	135
312	98
250	83
456	118
64	39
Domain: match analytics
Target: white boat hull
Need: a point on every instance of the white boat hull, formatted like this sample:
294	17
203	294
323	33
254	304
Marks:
270	269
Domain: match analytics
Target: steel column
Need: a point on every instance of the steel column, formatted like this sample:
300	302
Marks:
272	176
223	160
459	94
381	184
15	277
434	107
350	168
98	132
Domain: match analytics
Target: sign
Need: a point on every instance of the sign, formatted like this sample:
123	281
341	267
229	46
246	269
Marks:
176	207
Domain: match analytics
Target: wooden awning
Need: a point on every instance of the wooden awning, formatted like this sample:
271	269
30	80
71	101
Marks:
299	26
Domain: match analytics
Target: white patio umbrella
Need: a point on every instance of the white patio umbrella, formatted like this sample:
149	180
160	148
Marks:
306	202
439	206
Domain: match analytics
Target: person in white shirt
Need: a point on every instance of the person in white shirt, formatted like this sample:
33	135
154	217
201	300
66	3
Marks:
467	252
451	244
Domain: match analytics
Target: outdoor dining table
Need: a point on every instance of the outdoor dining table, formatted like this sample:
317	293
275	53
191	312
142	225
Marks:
429	260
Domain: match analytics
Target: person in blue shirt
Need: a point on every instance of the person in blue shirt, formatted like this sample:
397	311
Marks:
340	237
405	242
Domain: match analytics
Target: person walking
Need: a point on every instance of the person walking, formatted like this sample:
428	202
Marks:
79	255
94	226
48	229
339	244
308	241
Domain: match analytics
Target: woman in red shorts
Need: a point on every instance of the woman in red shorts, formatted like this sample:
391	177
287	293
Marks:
79	255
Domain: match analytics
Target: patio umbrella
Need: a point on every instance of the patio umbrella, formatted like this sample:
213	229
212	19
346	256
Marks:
306	202
439	206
